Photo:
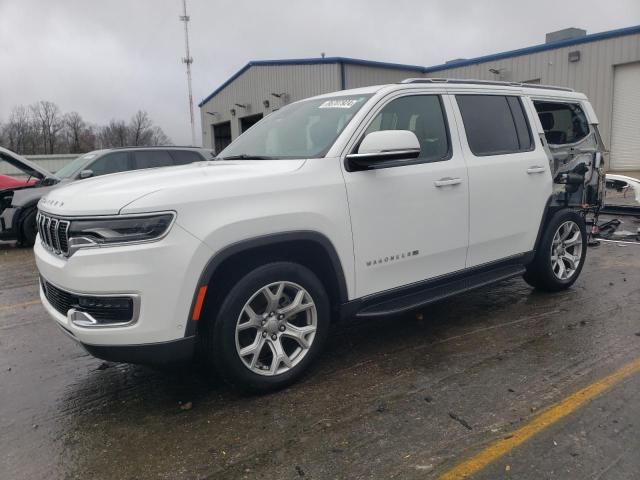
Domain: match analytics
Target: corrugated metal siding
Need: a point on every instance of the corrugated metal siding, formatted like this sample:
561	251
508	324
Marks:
255	86
361	76
592	75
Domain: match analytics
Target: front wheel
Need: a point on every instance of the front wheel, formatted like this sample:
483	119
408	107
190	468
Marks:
28	229
561	253
270	327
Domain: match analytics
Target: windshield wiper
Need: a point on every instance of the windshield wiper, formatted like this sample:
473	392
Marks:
244	156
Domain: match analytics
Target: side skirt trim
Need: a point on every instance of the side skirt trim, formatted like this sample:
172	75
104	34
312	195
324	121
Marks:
429	291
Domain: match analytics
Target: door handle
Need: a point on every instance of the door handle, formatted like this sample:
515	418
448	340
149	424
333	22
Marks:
536	169
443	182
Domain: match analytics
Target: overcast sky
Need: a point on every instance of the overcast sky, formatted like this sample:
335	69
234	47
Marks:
107	59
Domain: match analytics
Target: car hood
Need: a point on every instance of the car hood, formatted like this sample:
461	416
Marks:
109	194
24	165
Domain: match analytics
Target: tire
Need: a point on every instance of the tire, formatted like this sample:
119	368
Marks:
28	230
273	358
560	254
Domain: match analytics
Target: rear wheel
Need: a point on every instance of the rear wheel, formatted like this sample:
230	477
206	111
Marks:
270	327
561	253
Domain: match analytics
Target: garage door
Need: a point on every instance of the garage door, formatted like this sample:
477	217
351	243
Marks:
625	125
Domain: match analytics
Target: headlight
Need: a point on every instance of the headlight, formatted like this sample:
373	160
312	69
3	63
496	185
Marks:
97	232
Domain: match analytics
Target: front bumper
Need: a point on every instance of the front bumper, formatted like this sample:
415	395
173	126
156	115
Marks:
162	274
163	353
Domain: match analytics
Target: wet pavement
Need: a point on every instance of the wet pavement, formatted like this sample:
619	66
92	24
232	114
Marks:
396	397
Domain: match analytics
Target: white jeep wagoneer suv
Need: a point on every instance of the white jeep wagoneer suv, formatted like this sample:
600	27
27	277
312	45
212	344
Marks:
362	202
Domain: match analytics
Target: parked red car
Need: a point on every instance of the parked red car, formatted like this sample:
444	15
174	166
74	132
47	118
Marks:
10	182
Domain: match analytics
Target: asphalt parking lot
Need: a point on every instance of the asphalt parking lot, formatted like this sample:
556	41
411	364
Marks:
450	389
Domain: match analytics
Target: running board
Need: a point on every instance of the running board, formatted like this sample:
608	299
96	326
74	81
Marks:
438	290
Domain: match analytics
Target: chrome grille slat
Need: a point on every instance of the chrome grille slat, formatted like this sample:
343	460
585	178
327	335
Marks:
38	218
40	227
47	231
64	236
54	233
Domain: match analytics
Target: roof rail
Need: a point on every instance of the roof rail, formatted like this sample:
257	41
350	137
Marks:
458	81
150	147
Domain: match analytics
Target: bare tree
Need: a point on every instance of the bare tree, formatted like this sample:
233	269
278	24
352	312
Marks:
18	131
114	134
158	137
74	127
48	119
140	129
42	128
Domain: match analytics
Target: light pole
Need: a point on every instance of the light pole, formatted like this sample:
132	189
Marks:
188	61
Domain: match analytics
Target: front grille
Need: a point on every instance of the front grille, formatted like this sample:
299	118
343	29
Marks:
54	233
103	309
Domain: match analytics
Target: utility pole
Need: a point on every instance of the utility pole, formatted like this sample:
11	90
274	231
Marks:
188	61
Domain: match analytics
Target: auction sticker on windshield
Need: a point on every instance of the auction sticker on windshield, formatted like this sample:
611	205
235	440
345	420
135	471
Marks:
338	104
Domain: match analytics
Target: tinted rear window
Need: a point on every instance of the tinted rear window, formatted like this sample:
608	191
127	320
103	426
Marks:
494	124
110	163
152	159
182	157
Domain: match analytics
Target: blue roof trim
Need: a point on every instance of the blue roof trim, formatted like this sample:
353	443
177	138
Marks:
445	66
537	48
312	61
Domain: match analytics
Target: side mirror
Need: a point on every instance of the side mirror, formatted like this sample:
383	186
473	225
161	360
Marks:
383	145
85	174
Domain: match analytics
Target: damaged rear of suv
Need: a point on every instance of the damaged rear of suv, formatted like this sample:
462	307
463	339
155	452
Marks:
576	153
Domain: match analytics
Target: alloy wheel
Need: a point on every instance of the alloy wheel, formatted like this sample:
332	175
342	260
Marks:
566	250
276	328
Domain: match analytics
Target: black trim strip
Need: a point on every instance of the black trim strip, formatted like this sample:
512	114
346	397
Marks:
422	293
161	353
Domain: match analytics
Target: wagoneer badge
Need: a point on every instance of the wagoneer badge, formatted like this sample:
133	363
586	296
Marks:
393	258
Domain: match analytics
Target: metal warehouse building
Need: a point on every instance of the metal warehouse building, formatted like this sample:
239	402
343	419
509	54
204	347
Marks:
605	66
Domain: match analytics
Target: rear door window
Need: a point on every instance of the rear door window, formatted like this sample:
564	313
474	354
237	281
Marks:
152	159
110	163
182	157
495	124
563	123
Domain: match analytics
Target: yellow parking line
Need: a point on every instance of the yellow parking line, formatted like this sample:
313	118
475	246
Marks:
539	423
19	305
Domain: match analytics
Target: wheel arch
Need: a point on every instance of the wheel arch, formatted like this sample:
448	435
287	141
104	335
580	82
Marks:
549	211
19	216
309	248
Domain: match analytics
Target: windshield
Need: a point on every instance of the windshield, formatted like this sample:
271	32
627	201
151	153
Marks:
70	169
304	129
